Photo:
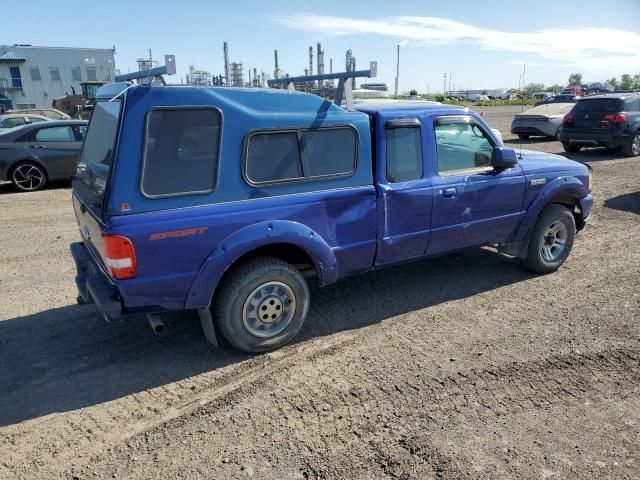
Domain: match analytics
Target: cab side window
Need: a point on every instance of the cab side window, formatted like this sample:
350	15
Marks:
404	154
461	145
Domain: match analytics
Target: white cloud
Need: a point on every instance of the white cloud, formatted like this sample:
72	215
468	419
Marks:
586	48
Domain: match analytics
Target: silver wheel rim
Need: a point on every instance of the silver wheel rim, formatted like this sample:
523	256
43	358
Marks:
269	309
28	177
635	146
554	241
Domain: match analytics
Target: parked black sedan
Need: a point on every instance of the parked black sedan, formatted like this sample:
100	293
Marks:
32	155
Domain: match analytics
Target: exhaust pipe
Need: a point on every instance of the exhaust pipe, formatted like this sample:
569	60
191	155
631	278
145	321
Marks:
157	325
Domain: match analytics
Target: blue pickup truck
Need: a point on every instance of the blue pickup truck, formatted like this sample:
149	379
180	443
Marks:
226	201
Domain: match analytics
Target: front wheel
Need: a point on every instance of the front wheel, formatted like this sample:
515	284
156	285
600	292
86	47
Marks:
262	305
551	239
570	147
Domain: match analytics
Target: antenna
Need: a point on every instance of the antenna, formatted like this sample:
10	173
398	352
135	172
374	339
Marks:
524	70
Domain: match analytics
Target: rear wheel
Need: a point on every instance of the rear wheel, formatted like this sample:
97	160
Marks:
570	147
523	136
551	239
632	148
262	305
28	177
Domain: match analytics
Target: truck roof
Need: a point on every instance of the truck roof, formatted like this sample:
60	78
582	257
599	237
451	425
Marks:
259	100
276	101
404	105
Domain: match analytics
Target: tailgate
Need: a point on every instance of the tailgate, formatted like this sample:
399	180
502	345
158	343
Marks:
91	230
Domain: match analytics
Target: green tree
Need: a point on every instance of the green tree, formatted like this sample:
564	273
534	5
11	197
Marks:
575	79
626	82
533	87
613	82
413	92
555	88
636	81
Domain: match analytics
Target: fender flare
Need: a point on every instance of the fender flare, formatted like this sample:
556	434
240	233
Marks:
249	238
565	185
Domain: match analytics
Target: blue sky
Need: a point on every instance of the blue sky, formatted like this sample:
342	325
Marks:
483	43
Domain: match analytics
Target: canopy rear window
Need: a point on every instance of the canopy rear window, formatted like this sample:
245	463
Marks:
98	151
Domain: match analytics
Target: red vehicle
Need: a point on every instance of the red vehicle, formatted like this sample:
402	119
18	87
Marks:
579	91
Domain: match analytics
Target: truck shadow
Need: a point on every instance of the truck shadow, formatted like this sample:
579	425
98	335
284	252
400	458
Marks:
629	202
588	155
69	358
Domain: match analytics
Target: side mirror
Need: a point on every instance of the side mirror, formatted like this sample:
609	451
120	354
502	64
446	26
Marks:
502	157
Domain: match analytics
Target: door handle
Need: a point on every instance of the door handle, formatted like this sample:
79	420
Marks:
449	192
38	146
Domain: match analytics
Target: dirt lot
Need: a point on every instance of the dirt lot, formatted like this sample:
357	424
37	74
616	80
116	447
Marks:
461	367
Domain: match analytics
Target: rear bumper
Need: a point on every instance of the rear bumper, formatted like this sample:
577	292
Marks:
534	128
92	287
593	139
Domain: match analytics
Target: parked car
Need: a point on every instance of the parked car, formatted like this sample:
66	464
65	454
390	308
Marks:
32	155
610	120
544	120
11	120
540	95
172	217
50	113
559	98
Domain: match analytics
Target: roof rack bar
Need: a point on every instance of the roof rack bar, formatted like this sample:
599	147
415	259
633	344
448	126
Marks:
343	86
169	68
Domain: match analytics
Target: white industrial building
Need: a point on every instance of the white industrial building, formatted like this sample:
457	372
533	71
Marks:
33	76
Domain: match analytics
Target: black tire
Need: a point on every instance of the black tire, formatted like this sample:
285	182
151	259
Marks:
570	147
523	136
28	176
632	147
552	215
258	275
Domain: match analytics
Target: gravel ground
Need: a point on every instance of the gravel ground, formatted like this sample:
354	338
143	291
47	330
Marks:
461	367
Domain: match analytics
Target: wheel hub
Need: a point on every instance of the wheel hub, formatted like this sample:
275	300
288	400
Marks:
554	241
269	309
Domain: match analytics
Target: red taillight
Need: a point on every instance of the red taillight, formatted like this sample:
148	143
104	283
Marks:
119	257
568	118
615	118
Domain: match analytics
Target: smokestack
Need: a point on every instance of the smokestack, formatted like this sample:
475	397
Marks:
320	61
225	49
331	65
276	72
397	70
255	77
250	84
310	60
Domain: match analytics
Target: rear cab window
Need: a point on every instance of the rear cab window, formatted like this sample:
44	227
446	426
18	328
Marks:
404	150
97	154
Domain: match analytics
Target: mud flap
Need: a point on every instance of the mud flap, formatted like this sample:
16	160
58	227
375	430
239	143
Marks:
206	320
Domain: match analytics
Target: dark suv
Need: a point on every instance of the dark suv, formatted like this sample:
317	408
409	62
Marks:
611	120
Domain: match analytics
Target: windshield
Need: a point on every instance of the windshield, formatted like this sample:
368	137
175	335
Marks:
98	150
